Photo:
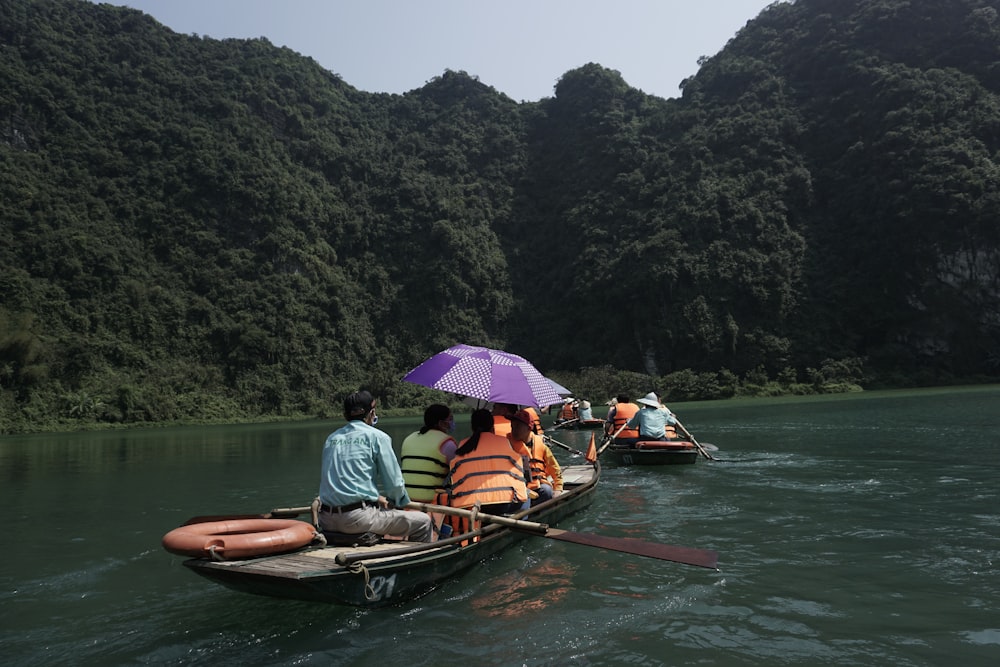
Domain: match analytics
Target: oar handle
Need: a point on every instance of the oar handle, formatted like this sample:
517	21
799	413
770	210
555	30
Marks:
288	511
697	444
281	513
530	526
348	558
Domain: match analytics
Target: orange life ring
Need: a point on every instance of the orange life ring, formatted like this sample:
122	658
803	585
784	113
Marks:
239	538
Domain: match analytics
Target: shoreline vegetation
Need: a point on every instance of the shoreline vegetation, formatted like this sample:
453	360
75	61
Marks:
405	400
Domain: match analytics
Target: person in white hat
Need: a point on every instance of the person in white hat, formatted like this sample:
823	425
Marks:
653	419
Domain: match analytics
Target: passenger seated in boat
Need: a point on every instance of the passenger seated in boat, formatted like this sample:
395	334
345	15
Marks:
486	469
585	412
546	475
426	453
536	420
567	412
358	461
620	413
652	420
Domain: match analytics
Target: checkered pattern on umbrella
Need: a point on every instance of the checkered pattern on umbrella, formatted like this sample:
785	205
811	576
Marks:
490	375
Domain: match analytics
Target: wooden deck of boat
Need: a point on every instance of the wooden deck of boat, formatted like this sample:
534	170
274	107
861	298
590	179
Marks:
305	563
577	474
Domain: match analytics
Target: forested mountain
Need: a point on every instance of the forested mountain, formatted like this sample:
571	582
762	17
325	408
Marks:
195	229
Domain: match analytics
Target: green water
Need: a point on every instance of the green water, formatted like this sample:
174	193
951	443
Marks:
853	530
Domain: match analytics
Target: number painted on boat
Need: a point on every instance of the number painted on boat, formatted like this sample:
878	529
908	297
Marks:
383	586
627	459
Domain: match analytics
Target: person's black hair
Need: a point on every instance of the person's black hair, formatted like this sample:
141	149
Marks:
358	405
433	414
482	422
623	398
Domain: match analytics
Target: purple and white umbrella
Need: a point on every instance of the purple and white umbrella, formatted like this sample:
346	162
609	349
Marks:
489	375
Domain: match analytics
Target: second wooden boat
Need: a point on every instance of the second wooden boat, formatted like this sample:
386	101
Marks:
654	452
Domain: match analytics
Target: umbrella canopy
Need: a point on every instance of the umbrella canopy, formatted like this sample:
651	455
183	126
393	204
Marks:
480	403
559	389
489	375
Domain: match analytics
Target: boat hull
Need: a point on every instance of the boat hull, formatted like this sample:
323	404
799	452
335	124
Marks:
384	575
669	453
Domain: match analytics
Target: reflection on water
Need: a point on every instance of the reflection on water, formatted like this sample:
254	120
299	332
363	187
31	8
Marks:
543	585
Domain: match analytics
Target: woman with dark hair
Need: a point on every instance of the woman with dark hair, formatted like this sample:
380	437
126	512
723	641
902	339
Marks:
487	470
425	454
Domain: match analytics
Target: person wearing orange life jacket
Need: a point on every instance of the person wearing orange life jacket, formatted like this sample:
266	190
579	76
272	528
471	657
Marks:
536	420
618	416
487	470
425	454
567	412
546	475
501	418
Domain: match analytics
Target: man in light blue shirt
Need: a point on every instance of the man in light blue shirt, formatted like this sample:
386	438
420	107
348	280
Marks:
652	420
359	466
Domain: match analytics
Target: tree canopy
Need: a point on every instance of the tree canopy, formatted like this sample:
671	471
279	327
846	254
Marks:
194	228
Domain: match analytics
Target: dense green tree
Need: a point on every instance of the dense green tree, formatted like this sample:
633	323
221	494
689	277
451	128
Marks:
194	228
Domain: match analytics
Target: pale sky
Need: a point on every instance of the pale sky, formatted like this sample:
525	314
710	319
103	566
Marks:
520	47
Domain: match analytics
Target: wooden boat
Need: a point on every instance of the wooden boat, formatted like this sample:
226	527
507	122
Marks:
580	424
654	452
389	572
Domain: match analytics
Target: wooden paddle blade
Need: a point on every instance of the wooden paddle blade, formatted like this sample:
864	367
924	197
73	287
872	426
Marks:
686	555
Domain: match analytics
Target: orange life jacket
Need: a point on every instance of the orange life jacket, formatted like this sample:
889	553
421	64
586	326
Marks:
536	421
623	413
567	412
492	474
501	426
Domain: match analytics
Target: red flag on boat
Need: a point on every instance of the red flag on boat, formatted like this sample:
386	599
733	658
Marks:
591	450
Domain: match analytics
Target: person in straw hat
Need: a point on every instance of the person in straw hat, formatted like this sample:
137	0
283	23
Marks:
653	419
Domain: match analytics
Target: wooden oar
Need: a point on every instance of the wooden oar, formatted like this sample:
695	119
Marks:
696	443
549	438
283	513
686	555
561	424
608	440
